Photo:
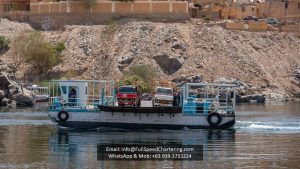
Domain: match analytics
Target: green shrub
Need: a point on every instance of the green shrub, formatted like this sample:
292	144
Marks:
53	88
111	28
4	44
146	72
206	18
33	49
140	75
60	46
135	80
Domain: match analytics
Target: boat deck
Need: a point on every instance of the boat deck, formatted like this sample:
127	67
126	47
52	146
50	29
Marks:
141	109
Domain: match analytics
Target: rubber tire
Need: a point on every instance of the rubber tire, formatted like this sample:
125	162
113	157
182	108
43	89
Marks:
212	124
63	119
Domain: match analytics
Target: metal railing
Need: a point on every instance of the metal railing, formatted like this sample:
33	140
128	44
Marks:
206	98
88	94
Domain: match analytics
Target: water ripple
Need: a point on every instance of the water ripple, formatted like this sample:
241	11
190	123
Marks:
262	126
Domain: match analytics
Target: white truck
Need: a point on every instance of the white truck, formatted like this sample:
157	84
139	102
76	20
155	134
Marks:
163	96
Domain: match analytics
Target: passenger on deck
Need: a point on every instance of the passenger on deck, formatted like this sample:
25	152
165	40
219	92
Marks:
174	99
177	98
216	102
72	96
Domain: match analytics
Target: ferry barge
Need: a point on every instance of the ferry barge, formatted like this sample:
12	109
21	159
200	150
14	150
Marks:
91	104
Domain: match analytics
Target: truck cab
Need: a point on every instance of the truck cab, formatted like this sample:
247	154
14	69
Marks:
163	96
129	95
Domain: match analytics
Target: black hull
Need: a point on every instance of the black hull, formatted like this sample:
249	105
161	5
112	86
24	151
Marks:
136	126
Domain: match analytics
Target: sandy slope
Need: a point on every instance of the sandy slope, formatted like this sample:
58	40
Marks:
267	61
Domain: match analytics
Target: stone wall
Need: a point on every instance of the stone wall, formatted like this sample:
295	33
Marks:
57	21
229	12
21	16
110	7
256	26
280	10
1	6
243	11
293	10
15	5
234	25
247	26
291	28
54	15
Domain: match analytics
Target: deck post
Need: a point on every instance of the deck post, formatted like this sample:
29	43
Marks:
113	94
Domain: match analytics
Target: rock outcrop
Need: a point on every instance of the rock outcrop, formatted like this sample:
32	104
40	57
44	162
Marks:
168	65
297	74
187	79
11	93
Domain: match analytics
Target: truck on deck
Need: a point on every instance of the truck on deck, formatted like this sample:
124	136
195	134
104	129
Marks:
129	95
163	95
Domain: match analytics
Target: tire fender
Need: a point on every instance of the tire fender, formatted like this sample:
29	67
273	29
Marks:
210	120
63	116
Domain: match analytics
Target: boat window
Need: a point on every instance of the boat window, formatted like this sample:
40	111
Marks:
127	89
64	89
164	91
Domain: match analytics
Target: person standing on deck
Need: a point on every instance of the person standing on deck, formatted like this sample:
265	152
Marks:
174	98
72	96
177	98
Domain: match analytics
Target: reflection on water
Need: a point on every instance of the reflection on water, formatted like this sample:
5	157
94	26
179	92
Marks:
265	136
76	146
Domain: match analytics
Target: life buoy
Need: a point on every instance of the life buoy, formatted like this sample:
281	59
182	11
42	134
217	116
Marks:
214	119
63	116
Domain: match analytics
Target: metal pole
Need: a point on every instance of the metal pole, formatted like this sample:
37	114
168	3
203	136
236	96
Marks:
93	94
113	94
234	98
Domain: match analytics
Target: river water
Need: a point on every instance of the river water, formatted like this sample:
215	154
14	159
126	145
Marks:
265	136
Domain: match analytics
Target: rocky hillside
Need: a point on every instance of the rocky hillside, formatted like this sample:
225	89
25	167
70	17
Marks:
265	63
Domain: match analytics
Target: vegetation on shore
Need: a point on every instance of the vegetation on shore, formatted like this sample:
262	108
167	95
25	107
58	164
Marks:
4	44
140	75
33	49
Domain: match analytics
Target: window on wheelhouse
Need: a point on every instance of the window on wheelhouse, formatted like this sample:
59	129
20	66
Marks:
64	89
127	89
164	91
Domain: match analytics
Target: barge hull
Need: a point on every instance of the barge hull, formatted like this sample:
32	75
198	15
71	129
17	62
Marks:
126	120
136	126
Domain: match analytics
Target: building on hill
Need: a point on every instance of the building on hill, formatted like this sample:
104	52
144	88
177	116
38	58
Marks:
14	5
280	9
209	9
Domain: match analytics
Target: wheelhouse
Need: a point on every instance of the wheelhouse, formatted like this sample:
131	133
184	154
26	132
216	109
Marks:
81	93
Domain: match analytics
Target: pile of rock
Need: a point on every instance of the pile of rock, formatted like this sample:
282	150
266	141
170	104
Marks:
86	43
3	66
11	93
245	91
258	98
297	73
180	81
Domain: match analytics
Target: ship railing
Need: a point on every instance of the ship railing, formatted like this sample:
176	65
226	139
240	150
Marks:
39	91
207	105
79	103
207	97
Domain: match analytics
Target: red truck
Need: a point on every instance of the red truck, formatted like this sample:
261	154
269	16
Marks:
129	95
